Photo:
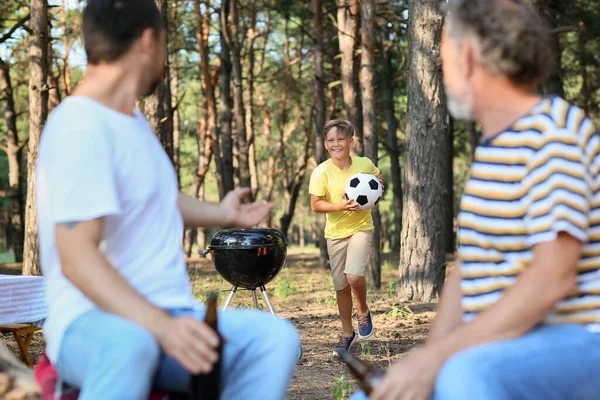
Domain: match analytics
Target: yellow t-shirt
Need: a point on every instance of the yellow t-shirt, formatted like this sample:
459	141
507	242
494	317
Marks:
329	181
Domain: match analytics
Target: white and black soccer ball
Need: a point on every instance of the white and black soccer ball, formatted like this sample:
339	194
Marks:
365	189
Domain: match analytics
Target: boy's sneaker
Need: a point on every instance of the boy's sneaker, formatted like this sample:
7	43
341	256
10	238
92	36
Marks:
344	344
365	325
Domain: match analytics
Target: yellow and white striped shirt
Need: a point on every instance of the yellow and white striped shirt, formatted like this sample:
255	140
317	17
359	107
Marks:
535	179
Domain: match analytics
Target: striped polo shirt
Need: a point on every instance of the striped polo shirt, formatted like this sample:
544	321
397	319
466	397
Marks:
533	180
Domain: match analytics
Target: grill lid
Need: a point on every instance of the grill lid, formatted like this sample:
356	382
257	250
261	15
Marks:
247	239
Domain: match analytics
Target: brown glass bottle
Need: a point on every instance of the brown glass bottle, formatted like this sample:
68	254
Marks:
368	376
206	386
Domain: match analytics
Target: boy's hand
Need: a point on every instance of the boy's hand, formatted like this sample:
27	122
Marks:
348	205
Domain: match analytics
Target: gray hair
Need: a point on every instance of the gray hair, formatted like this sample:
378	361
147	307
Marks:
512	39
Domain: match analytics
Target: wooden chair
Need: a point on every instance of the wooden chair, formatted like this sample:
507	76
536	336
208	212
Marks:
23	334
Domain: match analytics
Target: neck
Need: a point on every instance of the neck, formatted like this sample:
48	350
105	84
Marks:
342	164
112	85
501	104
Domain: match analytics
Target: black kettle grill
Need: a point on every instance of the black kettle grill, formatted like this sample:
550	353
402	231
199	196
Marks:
248	259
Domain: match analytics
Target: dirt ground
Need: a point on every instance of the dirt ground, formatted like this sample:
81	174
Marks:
303	293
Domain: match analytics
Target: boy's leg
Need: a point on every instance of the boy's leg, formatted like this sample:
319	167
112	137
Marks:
337	260
552	362
259	356
357	259
108	357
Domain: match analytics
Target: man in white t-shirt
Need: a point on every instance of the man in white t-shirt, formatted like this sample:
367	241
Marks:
122	318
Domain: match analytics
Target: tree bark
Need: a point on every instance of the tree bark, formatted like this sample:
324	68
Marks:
348	19
319	96
13	152
367	87
174	64
158	108
252	35
392	138
238	96
67	44
38	113
226	103
585	87
208	88
427	159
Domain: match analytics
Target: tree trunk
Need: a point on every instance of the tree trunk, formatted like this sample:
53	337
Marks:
174	64
319	96
252	35
348	18
38	112
427	159
158	108
208	88
67	43
392	138
53	85
226	100
293	188
13	152
16	380
238	96
367	74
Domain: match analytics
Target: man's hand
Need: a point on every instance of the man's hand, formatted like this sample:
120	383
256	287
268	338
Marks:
412	378
348	205
192	343
243	215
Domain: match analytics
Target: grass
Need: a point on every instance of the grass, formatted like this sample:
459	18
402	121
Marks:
341	388
7	257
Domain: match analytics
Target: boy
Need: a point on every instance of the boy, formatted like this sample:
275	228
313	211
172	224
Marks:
348	231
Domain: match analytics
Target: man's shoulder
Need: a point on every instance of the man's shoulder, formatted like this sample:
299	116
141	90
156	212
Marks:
362	162
322	168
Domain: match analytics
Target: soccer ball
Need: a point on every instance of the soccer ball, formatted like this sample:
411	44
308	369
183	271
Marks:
365	189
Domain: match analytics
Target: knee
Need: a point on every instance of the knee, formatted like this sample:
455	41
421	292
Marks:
354	280
283	337
466	376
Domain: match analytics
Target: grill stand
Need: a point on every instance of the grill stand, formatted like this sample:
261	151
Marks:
233	291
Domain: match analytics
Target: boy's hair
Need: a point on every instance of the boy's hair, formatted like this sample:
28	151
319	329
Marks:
341	125
111	26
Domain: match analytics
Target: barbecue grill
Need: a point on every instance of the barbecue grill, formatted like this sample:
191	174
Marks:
248	259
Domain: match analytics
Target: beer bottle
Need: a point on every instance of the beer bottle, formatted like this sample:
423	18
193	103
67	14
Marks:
206	386
368	377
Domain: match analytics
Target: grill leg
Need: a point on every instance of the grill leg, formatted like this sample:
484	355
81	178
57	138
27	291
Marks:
230	297
266	296
255	298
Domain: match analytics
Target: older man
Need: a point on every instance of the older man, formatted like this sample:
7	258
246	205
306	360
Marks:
520	315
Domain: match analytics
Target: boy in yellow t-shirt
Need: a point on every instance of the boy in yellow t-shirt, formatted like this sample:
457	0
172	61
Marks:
348	231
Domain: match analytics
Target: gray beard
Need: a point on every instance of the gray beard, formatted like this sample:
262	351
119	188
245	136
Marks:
458	110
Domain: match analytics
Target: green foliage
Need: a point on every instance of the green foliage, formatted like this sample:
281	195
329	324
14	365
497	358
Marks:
341	388
366	349
399	313
391	289
284	288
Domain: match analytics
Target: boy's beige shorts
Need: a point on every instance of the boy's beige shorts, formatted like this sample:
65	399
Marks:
350	255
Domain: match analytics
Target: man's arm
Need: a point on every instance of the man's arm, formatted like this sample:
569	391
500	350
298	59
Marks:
449	312
229	212
550	278
319	205
88	269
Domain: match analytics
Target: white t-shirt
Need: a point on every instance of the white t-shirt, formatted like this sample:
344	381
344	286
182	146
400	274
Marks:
92	162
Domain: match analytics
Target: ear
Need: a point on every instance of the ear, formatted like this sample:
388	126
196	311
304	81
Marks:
351	140
147	41
468	58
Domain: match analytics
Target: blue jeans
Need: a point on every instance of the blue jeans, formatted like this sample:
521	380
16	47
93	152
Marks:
550	363
110	357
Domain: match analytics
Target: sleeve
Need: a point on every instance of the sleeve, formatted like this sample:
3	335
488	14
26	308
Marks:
374	170
559	190
317	185
80	176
